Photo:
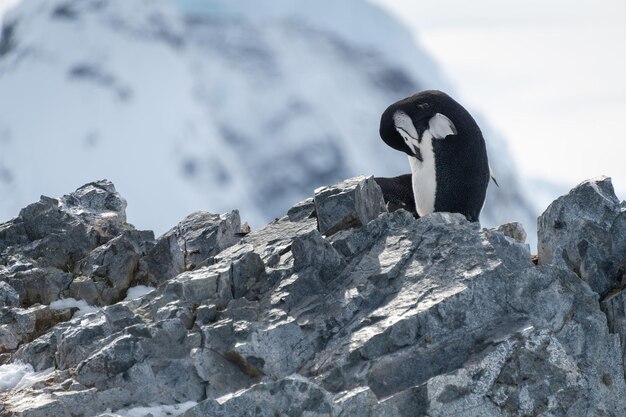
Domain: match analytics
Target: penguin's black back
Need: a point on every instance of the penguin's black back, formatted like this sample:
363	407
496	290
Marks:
398	193
462	175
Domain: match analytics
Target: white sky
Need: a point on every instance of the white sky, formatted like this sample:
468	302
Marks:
6	4
550	76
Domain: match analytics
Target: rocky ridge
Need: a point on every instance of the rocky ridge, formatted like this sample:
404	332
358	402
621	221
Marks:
339	308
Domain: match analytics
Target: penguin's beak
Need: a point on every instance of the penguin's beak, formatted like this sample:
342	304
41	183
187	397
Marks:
414	151
417	154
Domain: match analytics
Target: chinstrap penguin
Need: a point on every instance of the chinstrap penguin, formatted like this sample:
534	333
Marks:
446	151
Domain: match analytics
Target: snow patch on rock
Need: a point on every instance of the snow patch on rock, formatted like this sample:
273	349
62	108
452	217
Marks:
138	292
14	376
83	307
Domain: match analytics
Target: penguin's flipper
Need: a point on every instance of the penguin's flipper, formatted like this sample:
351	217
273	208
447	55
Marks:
493	178
398	193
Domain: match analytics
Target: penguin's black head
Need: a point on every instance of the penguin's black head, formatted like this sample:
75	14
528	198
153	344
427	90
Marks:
396	125
403	124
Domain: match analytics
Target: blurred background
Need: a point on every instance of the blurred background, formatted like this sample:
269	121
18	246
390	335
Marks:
213	105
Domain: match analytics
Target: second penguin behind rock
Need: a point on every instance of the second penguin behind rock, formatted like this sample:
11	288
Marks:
446	150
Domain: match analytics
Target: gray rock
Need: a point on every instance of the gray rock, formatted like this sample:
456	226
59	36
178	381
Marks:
41	246
165	260
235	272
614	306
95	212
576	231
514	230
205	235
273	242
111	267
39	353
296	397
39	285
585	231
313	251
154	358
302	211
352	203
245	266
8	296
222	372
83	336
89	290
99	205
12	233
206	314
204	285
278	349
192	243
385	317
18	325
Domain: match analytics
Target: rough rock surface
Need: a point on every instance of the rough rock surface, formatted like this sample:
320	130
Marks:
353	203
384	316
583	231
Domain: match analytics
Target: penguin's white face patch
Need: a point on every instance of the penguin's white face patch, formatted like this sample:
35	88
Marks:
440	126
402	121
406	129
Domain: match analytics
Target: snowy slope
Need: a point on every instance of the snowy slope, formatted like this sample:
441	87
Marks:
224	104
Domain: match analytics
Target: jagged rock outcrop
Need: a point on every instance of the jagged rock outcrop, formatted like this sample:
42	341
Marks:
339	308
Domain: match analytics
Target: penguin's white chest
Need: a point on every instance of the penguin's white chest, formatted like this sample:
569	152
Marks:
424	177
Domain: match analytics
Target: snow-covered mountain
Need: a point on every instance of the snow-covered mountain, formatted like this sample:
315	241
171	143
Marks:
225	104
